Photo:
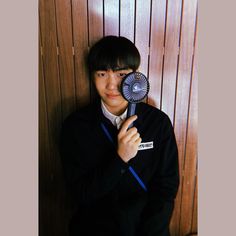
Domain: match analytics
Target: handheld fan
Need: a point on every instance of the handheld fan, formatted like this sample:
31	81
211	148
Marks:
134	88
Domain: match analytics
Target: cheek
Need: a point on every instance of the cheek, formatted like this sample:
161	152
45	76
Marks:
99	84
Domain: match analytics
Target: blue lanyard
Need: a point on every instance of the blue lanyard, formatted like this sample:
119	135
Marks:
105	130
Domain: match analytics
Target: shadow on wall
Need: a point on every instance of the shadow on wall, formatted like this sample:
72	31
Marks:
54	206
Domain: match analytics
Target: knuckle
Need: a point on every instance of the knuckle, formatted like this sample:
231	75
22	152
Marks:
135	129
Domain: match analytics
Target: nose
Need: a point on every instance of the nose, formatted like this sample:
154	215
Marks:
112	83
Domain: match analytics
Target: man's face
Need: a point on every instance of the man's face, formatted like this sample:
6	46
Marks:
107	83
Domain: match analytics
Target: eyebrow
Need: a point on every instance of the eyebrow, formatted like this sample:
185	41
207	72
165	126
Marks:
121	68
114	69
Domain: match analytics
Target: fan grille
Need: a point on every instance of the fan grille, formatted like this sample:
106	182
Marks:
135	87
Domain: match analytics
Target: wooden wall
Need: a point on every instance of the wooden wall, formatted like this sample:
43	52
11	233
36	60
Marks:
165	32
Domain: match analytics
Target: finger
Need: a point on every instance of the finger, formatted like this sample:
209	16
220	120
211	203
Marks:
130	135
134	138
127	123
138	141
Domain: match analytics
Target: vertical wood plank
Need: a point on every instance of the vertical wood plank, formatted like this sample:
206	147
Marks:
96	28
170	69
52	85
66	64
95	9
191	142
111	17
156	51
194	227
183	116
185	70
49	43
171	56
142	29
44	148
195	89
127	12
53	102
80	29
190	166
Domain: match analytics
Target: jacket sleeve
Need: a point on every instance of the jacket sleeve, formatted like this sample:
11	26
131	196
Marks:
163	187
85	181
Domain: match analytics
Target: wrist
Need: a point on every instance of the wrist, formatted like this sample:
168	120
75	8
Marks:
122	156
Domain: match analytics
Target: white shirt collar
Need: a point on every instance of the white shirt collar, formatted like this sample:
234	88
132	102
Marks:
115	120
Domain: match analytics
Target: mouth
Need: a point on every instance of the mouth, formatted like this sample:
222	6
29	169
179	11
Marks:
112	96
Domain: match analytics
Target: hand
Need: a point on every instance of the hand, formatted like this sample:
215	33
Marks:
128	140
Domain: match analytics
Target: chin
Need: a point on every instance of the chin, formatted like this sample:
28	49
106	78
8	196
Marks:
115	102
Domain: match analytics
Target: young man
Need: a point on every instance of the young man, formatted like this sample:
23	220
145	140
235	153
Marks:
123	180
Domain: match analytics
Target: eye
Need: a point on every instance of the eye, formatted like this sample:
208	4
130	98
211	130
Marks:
121	74
101	74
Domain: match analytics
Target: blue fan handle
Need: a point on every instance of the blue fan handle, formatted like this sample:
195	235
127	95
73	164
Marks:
131	111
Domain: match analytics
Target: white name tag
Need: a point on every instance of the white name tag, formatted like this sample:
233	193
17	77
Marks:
144	146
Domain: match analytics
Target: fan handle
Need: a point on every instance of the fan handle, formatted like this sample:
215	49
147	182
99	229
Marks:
131	111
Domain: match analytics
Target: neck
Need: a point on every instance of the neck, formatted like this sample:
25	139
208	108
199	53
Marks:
117	111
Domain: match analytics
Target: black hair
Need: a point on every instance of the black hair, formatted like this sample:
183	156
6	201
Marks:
113	52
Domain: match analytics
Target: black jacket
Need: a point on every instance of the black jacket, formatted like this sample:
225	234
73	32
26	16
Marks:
108	199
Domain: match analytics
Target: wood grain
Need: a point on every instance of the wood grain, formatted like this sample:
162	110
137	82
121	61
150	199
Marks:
127	12
165	32
170	71
44	147
52	180
142	29
66	62
185	113
95	19
194	227
81	42
182	113
111	17
156	51
171	53
51	73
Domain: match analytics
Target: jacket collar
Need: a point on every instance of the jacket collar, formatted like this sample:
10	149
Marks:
98	116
